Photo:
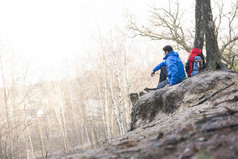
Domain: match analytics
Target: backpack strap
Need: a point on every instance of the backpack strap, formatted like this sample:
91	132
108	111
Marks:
189	58
203	60
190	66
197	63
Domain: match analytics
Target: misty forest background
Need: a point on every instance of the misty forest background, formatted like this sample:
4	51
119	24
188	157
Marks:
81	112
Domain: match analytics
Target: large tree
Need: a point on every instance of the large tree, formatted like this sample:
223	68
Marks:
204	25
212	50
199	25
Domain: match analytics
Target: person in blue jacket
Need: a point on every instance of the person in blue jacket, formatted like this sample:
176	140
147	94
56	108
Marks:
172	69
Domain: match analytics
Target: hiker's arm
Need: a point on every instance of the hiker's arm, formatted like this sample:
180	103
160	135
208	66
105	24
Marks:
173	71
159	66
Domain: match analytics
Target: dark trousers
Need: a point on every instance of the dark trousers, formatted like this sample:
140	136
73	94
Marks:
163	78
163	74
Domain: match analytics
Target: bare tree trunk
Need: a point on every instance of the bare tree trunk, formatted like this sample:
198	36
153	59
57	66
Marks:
118	85
61	128
107	109
199	25
64	128
87	134
116	111
80	123
31	144
212	50
18	141
27	132
102	111
93	134
127	92
59	112
1	146
26	145
12	107
112	122
76	125
43	152
49	126
112	96
42	142
11	141
82	128
7	107
83	123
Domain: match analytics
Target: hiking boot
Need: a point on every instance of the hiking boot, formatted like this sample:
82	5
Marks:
149	89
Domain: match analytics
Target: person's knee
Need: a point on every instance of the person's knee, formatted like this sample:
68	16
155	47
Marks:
163	84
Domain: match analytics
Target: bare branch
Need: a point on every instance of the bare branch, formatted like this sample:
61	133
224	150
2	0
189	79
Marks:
228	43
164	24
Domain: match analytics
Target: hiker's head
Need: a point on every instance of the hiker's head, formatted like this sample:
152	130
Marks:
167	49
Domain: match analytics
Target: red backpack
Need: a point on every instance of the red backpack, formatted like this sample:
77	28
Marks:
190	62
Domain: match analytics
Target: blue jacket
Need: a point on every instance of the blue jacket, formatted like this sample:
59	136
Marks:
174	67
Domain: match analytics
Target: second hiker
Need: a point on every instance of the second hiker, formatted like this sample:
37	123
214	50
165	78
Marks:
195	62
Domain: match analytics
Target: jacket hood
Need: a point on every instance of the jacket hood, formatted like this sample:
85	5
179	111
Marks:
171	53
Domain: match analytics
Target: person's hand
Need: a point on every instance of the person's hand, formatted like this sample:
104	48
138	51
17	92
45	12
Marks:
153	73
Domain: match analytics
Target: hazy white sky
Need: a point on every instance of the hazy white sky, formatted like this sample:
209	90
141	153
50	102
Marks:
48	33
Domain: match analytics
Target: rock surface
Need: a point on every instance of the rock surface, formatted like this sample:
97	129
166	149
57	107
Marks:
197	118
190	92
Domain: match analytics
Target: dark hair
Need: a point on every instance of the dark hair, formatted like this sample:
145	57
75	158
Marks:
168	48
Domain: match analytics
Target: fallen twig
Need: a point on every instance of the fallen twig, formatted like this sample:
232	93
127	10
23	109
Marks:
221	127
213	94
230	111
152	125
234	99
206	119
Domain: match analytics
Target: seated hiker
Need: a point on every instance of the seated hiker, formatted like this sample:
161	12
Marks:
172	70
195	62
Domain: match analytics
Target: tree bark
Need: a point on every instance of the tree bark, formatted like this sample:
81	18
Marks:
199	25
212	50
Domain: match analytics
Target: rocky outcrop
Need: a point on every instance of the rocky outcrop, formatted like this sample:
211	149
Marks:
197	118
193	91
